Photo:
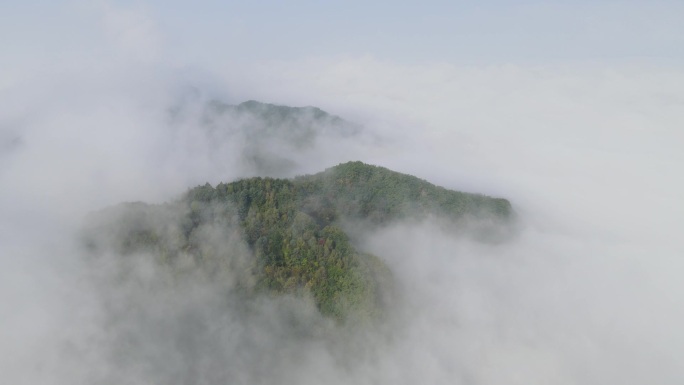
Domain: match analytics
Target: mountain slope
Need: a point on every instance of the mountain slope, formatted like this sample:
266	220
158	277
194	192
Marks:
279	236
263	139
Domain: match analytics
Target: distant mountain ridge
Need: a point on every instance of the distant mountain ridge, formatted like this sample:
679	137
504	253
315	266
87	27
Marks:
286	236
265	139
272	117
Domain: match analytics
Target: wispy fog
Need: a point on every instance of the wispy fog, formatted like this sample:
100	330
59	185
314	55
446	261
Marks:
588	291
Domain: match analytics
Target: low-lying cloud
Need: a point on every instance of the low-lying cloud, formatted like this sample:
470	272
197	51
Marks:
587	292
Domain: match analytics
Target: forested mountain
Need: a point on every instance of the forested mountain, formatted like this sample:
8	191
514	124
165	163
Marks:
295	125
265	235
265	139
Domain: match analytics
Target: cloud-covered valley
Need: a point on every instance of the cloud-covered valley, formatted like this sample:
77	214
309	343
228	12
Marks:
588	291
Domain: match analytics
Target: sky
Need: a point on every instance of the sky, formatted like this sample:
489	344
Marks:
572	110
213	33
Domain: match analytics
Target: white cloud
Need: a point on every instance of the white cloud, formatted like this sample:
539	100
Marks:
132	32
589	155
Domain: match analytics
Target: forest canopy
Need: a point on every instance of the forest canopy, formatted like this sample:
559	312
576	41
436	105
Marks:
287	236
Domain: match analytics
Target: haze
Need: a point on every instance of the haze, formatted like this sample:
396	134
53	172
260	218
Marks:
572	110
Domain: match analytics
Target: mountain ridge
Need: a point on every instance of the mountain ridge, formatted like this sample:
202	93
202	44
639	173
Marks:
287	236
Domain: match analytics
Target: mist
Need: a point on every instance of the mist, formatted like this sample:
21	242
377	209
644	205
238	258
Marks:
588	291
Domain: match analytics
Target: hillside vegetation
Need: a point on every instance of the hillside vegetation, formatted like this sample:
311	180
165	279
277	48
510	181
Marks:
265	139
282	236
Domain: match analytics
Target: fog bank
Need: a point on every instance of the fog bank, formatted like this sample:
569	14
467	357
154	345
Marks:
588	292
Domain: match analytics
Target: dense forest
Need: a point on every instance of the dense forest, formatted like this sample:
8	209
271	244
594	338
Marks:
277	236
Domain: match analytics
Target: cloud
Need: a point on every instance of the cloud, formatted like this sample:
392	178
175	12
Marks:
132	32
589	292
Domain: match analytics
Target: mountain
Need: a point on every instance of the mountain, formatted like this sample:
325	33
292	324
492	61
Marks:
265	139
295	125
287	236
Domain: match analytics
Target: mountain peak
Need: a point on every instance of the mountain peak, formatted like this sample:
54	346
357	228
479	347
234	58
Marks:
294	230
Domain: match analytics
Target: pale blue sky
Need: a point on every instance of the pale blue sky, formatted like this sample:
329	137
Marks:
458	32
437	30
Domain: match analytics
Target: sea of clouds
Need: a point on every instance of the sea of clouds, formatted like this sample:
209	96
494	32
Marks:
588	292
